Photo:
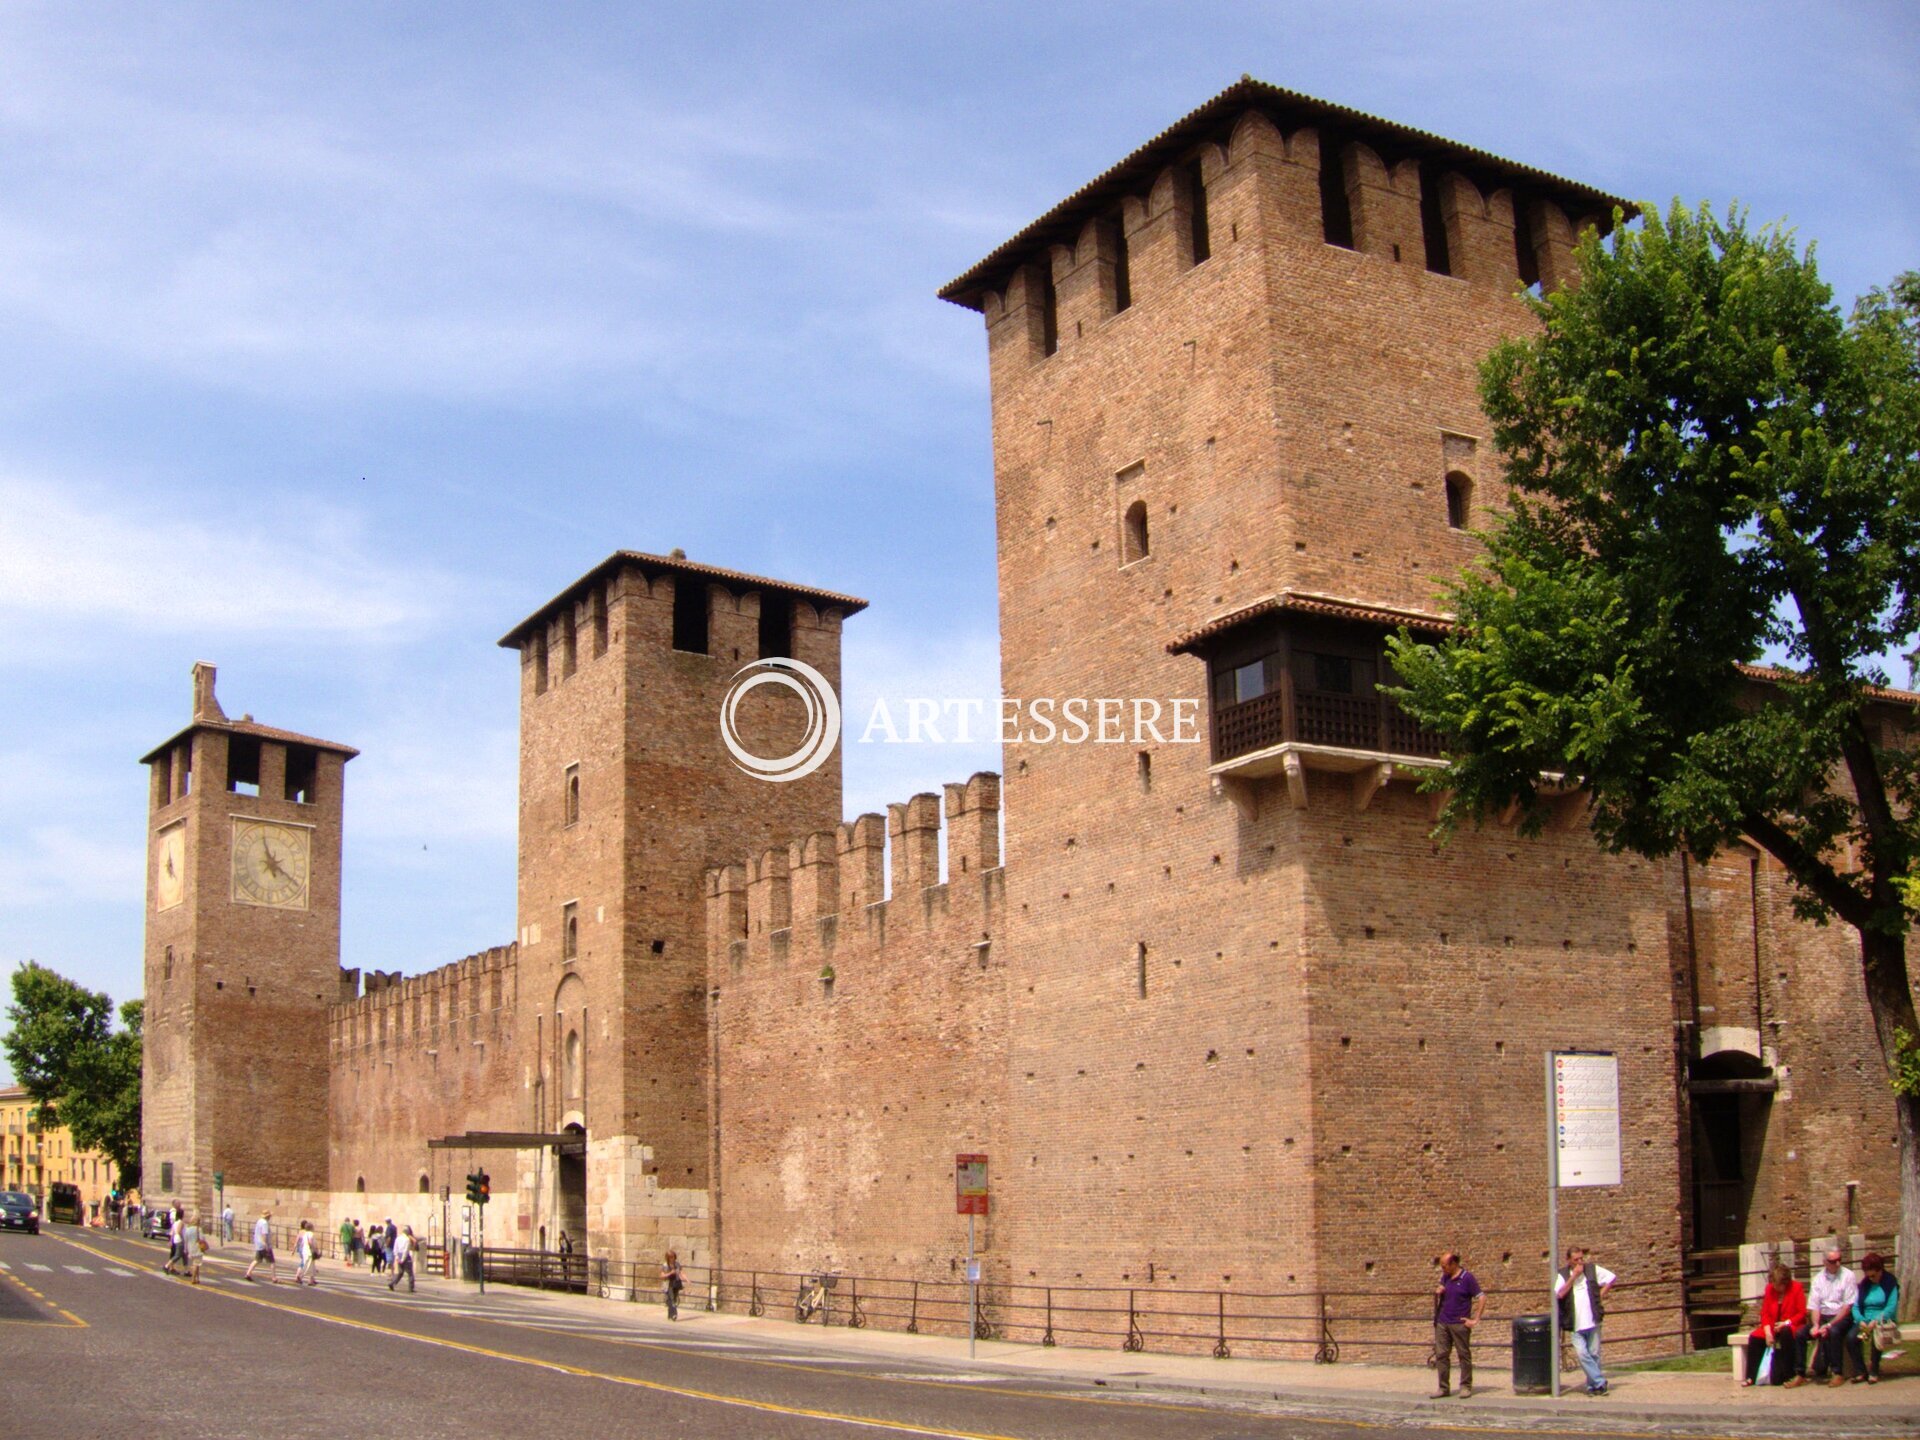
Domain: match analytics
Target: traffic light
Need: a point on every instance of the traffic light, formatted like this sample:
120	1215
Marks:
473	1187
486	1187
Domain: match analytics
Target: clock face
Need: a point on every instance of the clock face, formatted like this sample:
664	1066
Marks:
170	867
270	864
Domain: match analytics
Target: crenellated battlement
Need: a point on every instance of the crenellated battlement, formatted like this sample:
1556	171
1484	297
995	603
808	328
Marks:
396	1009
1258	162
813	896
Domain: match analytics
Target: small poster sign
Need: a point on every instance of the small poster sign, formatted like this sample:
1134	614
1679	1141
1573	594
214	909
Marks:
1586	1119
970	1184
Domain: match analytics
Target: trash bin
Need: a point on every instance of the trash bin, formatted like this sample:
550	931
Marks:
1532	1354
469	1263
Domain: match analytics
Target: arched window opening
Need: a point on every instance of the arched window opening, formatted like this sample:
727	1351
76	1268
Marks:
1459	500
570	933
573	794
360	1186
426	1185
1134	545
1199	233
570	1064
1049	309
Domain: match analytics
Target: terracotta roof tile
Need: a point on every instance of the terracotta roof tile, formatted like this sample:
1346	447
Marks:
1300	602
248	727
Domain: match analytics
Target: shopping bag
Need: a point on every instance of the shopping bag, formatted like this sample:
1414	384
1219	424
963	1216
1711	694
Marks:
1764	1374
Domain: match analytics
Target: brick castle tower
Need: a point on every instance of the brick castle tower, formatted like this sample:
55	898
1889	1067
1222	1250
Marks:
627	796
1236	443
242	954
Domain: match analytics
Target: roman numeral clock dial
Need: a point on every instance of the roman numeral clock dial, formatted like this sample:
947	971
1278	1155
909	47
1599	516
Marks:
270	864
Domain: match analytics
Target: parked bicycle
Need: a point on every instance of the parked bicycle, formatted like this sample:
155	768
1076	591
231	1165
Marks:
812	1298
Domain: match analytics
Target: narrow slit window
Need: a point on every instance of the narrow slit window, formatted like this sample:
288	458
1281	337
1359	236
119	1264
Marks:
163	779
303	773
1336	211
776	627
1459	500
598	606
569	642
1524	258
689	616
1140	967
1134	543
572	794
1433	225
1122	266
1049	311
243	765
537	648
570	932
1198	235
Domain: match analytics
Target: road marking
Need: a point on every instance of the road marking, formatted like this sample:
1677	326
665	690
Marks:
785	1362
116	1270
77	1269
44	1269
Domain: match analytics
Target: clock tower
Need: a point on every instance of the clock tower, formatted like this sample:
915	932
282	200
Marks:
242	955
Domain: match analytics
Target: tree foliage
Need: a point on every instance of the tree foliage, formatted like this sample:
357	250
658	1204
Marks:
78	1069
1708	466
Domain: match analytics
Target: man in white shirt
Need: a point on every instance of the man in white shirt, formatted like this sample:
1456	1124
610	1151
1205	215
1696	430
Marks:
263	1249
1830	1306
1578	1288
403	1259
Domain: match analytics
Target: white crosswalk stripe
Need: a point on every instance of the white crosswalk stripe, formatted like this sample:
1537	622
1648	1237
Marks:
116	1270
77	1269
43	1269
5	1266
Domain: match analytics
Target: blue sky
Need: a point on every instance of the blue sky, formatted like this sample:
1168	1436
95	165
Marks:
335	338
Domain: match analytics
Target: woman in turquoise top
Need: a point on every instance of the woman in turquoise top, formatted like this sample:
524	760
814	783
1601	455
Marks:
1879	1301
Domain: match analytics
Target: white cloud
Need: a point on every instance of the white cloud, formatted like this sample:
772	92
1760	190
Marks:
72	557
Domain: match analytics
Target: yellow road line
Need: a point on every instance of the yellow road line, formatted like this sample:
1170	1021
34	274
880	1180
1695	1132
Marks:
1112	1397
74	1322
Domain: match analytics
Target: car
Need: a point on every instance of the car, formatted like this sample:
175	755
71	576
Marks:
19	1211
157	1223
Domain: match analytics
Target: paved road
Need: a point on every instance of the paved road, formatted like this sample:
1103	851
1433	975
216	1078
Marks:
98	1345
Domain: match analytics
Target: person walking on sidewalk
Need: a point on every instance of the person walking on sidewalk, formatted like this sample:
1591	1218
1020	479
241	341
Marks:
263	1248
1578	1288
1830	1300
401	1261
306	1250
1461	1301
176	1243
346	1242
671	1283
226	1226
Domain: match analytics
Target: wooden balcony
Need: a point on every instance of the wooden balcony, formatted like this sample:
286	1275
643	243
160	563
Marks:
1373	725
1287	732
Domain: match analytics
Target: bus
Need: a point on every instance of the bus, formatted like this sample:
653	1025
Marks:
64	1203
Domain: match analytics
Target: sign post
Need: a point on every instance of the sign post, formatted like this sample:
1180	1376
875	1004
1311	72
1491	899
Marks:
970	1199
220	1203
1583	1148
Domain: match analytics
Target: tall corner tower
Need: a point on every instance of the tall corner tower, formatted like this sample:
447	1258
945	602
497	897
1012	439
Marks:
242	954
1237	442
627	796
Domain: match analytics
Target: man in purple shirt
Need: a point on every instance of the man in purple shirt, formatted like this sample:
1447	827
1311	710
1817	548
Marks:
1457	1303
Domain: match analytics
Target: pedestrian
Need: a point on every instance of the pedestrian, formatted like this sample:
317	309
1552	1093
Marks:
1830	1302
402	1261
566	1245
1461	1301
226	1225
176	1242
346	1242
393	1234
359	1240
1578	1288
1874	1314
1781	1332
196	1246
263	1249
377	1248
304	1255
671	1283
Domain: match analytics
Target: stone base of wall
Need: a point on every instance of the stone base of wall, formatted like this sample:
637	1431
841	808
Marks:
632	1219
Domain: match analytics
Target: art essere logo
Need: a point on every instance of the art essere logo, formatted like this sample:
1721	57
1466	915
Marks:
823	718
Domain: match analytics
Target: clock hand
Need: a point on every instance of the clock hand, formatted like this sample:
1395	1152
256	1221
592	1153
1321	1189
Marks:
273	865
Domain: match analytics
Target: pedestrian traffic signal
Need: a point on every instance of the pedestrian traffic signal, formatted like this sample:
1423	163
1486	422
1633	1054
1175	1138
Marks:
486	1187
473	1187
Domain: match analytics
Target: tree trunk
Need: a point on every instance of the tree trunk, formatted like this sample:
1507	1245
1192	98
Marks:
1890	996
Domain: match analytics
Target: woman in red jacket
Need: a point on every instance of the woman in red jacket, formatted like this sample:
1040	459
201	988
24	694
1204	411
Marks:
1783	1325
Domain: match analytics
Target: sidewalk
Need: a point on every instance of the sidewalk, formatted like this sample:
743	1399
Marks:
1694	1403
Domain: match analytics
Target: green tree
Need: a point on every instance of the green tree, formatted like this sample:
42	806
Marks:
1707	464
79	1070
